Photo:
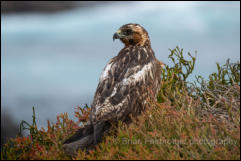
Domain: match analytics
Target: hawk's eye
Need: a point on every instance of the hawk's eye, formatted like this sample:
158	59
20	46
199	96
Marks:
127	32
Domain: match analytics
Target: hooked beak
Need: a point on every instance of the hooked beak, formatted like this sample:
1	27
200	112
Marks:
117	35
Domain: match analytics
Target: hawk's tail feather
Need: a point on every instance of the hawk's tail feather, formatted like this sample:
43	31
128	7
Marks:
99	130
80	133
86	137
86	142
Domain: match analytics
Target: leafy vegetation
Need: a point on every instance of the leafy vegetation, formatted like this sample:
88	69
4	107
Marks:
190	120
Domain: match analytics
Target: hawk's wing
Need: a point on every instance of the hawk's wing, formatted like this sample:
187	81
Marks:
123	73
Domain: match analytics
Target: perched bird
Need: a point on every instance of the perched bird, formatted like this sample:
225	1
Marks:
128	83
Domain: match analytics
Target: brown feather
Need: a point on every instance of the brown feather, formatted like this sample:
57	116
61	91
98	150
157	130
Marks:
128	82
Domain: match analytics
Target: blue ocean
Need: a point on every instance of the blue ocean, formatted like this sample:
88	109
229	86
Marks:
53	61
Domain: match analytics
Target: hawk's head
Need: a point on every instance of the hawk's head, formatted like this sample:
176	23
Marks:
132	34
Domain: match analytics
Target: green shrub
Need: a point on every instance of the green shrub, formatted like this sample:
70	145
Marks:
190	120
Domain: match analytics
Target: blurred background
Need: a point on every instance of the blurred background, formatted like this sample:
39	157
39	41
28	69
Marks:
52	53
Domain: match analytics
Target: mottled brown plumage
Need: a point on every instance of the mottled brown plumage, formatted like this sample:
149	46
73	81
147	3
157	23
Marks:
129	81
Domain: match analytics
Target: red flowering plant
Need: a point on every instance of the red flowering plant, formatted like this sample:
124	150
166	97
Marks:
189	121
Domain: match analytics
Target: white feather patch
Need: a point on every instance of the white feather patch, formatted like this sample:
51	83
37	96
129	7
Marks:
145	50
104	74
114	92
139	55
140	75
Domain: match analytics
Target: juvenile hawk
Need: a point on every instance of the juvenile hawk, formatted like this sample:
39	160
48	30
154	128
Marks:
129	81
